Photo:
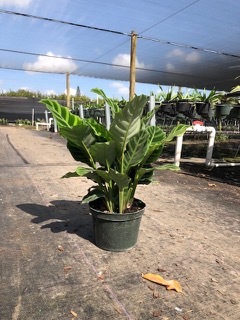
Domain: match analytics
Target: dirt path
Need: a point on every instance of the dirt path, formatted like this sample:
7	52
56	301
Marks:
190	232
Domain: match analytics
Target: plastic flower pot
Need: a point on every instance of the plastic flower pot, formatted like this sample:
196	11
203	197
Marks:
116	231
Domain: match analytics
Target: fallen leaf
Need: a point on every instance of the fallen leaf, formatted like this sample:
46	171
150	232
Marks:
73	313
60	248
170	284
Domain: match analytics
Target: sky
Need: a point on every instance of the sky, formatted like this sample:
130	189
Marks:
51	83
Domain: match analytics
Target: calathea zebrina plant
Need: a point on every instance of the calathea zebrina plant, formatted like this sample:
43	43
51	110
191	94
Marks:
116	159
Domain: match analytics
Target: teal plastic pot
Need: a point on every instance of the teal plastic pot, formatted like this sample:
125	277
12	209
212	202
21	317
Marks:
116	231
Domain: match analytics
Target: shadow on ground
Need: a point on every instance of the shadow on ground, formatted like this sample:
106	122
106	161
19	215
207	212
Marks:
62	216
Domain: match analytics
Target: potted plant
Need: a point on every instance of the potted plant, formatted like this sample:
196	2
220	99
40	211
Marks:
117	161
168	101
204	100
185	104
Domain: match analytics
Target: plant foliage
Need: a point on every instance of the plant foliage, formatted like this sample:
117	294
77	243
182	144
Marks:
117	159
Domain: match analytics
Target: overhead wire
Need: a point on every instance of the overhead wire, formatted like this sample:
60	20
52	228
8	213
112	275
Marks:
26	15
170	16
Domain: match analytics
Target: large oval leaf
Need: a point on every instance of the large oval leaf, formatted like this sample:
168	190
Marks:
104	152
62	114
127	122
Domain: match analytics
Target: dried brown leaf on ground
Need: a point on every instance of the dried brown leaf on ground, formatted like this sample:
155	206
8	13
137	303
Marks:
169	284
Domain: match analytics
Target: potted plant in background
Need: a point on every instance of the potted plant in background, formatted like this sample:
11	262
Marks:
117	161
204	100
184	104
168	101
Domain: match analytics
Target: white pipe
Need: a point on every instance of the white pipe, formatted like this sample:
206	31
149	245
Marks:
107	116
151	107
224	164
81	113
46	116
210	145
196	128
178	150
32	116
55	125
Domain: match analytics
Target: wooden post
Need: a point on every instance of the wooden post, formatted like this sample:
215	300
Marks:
68	90
133	65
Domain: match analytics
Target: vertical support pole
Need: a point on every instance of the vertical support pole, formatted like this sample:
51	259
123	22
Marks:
46	116
68	90
210	146
81	113
133	65
33	117
107	116
72	103
55	125
151	107
178	150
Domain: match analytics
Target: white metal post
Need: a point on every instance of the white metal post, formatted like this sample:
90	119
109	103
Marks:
107	115
151	107
81	113
211	140
178	150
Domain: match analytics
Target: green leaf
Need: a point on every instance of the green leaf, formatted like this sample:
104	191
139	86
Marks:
120	179
79	140
70	175
104	152
177	131
156	140
145	175
127	122
92	195
81	135
112	104
80	154
82	171
136	150
168	167
147	118
98	129
105	175
62	114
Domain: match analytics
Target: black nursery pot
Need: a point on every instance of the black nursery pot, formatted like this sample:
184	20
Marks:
116	231
203	109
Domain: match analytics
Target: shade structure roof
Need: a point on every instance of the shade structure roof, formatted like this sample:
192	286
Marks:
187	43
